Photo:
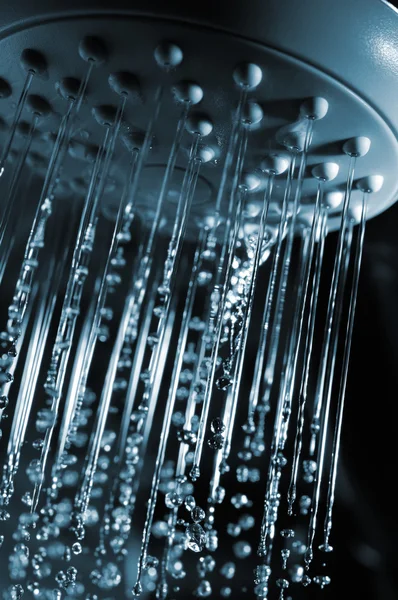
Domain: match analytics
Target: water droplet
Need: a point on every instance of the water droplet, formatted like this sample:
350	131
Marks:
34	471
262	573
287	533
198	514
152	340
246	522
189	502
27	499
245	455
151	562
233	529
228	570
159	311
204	278
212	540
203	590
305	503
224	382
322	580
45	419
326	548
196	537
242	549
249	427
257	446
173	499
77	548
216	442
3	402
196	324
145	376
4	515
285	553
38	444
160	529
217	426
16	592
195	473
309	469
296	573
241	500
137	589
205	565
225	592
261	590
219	494
107	577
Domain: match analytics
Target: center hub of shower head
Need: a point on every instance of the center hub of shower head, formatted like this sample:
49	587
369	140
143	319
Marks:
148	193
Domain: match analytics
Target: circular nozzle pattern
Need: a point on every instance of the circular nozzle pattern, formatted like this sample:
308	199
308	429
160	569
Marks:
274	164
251	181
34	62
371	184
248	76
93	49
168	55
124	84
105	114
325	171
5	89
199	124
68	88
314	108
38	105
357	146
188	91
281	115
206	154
252	114
333	199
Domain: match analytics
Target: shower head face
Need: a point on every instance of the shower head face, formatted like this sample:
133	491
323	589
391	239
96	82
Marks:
209	58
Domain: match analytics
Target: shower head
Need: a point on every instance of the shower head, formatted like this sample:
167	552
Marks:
169	175
333	54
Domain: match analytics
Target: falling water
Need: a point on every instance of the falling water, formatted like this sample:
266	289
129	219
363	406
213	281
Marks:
18	110
165	296
39	336
115	259
307	354
344	373
223	273
71	307
277	461
318	467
